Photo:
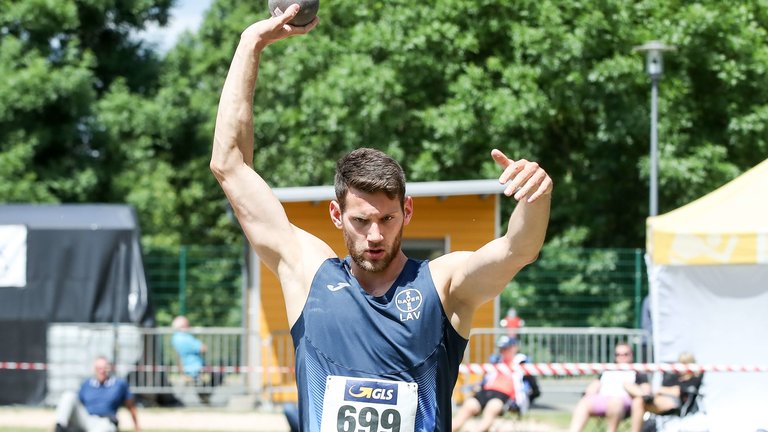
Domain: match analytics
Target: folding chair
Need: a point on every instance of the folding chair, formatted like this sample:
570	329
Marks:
674	420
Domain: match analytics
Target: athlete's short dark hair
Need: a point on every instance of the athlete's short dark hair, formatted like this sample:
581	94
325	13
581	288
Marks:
370	171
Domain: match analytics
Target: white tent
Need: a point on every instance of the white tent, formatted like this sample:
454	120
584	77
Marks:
708	276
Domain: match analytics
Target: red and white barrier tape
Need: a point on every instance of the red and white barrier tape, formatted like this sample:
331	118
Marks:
539	369
225	369
23	366
573	369
143	368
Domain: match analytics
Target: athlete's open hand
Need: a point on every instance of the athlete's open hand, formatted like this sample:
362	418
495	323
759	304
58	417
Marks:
522	177
268	31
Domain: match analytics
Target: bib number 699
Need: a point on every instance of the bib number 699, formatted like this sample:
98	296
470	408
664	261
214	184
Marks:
369	418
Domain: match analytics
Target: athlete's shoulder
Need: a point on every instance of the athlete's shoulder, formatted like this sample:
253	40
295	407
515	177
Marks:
444	266
335	261
331	268
451	258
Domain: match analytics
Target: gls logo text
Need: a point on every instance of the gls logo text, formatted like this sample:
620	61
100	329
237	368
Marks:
370	391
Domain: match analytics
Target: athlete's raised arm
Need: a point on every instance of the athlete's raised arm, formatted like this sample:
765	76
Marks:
291	253
469	279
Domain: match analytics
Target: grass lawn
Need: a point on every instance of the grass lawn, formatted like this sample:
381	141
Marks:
560	419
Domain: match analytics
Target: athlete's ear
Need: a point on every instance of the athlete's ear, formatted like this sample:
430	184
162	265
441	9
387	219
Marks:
408	209
335	211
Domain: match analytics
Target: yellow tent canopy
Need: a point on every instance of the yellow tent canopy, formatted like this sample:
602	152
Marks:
726	226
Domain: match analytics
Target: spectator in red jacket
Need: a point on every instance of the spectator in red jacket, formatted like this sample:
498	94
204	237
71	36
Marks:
499	392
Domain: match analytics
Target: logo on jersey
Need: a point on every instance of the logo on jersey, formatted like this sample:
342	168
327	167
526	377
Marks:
371	391
408	302
338	286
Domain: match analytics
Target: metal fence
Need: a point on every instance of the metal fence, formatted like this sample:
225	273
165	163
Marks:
562	344
579	287
147	359
202	282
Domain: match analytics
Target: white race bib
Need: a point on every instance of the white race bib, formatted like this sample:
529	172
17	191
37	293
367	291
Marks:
369	405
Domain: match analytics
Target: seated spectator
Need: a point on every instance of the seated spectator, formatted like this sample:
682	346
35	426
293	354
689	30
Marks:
190	352
606	396
499	391
94	407
675	391
530	384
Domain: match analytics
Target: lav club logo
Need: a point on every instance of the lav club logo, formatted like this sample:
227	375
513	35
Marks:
370	391
408	302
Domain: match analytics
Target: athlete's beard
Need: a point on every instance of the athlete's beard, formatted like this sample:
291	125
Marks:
358	254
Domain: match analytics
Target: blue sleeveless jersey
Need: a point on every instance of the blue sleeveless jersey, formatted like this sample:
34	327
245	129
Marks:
401	336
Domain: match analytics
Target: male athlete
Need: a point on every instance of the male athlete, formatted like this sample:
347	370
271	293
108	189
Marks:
359	365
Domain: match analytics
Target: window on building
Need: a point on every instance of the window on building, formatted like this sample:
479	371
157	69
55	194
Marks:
425	248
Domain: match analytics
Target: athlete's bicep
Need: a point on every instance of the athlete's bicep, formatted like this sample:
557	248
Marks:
291	253
261	217
485	272
444	275
469	279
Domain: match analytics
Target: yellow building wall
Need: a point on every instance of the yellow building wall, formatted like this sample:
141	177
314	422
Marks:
468	222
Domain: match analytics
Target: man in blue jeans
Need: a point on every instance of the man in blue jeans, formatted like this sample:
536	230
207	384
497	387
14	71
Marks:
94	407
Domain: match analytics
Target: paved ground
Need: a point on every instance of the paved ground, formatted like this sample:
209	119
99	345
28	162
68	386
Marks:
197	419
171	419
556	396
562	394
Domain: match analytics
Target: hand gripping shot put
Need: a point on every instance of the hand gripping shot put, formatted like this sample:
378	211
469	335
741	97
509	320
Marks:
307	12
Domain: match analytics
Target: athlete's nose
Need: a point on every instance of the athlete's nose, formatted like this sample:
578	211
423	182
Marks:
374	234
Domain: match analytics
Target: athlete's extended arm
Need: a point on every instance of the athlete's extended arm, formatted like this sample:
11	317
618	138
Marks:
479	276
284	249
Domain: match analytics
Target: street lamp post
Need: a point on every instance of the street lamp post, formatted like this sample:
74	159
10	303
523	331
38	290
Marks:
654	51
654	65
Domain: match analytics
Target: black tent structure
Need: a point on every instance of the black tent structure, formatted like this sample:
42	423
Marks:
64	263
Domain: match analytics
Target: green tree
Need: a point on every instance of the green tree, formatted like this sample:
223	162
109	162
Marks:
57	59
439	85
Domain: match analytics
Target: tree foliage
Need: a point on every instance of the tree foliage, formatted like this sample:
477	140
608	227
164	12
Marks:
58	60
89	114
440	85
